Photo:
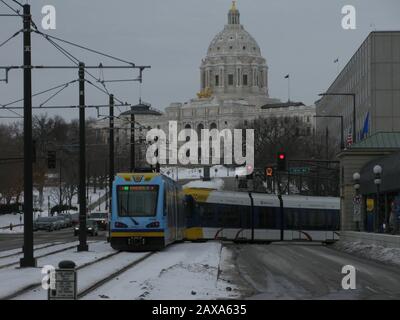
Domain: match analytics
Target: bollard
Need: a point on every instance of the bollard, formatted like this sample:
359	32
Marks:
11	226
66	282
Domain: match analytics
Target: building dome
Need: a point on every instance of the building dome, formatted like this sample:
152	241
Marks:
234	65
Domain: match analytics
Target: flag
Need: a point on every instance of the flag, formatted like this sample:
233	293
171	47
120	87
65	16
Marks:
366	127
349	140
336	60
287	76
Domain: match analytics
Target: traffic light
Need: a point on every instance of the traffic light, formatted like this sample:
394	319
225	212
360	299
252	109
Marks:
51	159
269	172
281	161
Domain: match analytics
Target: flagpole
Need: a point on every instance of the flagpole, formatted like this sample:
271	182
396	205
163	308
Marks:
288	77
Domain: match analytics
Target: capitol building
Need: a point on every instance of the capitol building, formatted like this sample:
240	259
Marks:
233	89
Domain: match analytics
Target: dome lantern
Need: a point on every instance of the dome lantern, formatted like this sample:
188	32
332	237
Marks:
234	14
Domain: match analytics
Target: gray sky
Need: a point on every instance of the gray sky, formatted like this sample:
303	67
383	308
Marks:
300	37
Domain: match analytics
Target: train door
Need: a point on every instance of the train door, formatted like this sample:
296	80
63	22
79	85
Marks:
175	203
167	230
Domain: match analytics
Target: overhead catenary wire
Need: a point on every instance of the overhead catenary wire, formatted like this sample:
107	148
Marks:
10	38
76	61
4	106
86	48
17	12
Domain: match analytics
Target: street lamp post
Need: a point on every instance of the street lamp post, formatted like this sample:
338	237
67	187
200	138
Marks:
356	179
377	173
353	95
341	128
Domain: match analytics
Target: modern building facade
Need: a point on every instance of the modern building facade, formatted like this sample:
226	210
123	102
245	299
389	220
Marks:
373	75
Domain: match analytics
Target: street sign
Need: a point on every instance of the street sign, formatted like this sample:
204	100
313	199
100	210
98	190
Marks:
299	170
65	286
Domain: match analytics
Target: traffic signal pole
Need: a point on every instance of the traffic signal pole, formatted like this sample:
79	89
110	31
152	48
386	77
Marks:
82	162
28	260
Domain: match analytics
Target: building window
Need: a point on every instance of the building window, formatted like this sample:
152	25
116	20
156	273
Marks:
230	79
245	80
217	80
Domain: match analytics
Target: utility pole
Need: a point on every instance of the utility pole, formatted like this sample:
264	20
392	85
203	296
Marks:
28	260
82	162
111	144
60	184
133	160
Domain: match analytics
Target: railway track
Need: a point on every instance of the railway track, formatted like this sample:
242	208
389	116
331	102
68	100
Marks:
36	285
92	287
36	249
112	276
37	257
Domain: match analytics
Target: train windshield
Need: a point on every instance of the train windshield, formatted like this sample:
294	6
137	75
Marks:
137	201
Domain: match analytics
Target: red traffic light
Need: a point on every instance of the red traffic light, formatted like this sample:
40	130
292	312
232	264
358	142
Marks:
281	156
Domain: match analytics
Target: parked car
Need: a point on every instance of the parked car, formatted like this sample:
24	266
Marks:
45	223
91	228
101	219
61	222
68	220
75	219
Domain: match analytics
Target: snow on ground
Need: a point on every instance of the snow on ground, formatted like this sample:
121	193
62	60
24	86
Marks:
38	252
217	184
13	279
16	219
370	251
6	219
181	271
91	274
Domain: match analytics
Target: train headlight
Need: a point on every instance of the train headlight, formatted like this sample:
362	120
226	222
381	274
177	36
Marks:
155	224
120	225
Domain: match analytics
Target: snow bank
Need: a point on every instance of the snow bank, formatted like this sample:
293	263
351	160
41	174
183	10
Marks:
370	251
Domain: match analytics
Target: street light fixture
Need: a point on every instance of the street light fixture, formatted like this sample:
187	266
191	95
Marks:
353	95
377	170
356	178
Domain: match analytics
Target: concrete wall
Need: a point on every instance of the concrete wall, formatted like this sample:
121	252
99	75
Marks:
385	240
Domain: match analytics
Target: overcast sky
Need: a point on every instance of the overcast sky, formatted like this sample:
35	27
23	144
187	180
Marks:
300	37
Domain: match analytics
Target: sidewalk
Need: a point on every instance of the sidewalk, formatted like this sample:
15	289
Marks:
379	247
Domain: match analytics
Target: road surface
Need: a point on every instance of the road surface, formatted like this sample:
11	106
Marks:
14	241
308	271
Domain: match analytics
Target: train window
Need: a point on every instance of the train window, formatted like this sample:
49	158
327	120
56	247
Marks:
137	201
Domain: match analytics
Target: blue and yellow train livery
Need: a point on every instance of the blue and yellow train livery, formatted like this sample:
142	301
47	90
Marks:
146	213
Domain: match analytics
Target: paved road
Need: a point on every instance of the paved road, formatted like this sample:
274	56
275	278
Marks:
14	241
301	271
